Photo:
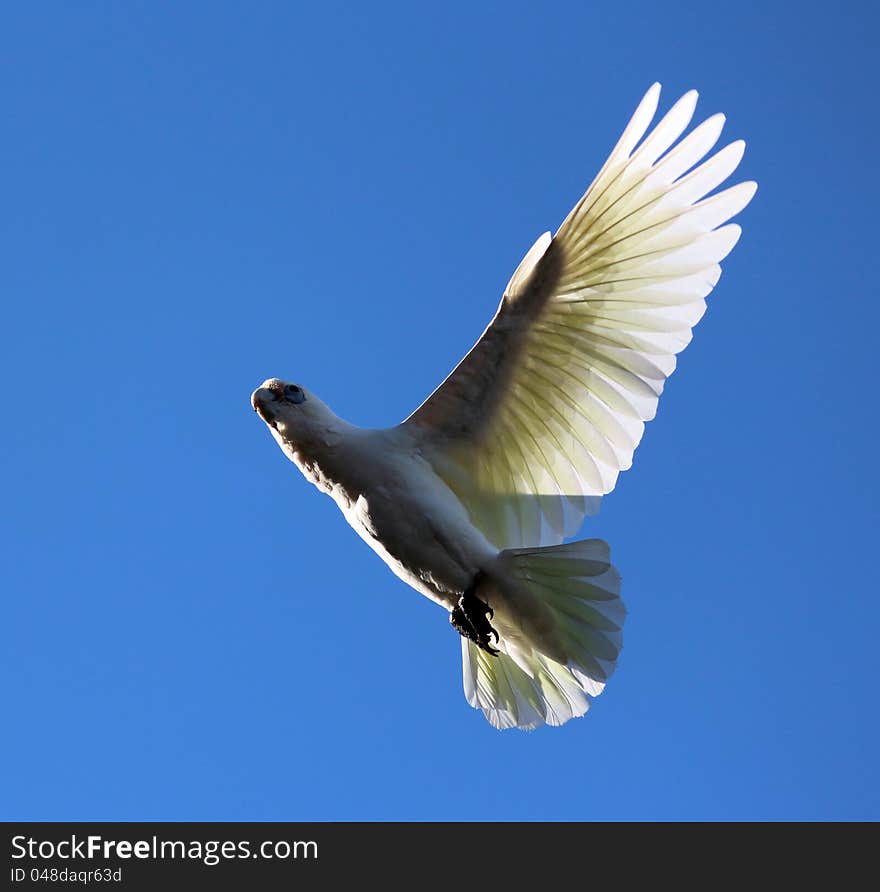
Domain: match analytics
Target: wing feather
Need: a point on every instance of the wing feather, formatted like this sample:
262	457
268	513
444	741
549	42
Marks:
536	422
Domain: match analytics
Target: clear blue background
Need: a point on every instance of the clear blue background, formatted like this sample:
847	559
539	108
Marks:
198	196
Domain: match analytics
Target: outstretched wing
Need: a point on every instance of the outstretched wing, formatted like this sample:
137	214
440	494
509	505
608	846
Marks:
536	422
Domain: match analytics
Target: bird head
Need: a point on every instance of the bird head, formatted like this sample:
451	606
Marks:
297	419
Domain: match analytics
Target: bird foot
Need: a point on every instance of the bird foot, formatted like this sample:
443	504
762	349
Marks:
470	618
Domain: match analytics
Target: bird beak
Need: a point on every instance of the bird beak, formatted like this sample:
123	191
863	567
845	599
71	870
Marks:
262	399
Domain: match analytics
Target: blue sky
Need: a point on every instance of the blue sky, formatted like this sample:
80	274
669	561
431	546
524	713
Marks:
198	196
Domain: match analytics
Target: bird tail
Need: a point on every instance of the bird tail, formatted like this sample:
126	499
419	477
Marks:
559	617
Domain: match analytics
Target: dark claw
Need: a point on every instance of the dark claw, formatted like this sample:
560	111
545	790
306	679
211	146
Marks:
470	618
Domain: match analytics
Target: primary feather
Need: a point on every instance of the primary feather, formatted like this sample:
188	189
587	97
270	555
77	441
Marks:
537	421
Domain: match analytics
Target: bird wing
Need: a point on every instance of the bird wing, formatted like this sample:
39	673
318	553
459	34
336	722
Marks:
535	423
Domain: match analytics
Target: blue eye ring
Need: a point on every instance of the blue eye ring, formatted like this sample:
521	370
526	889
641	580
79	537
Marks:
294	394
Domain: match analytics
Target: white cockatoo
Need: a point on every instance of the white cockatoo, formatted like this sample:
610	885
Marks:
470	500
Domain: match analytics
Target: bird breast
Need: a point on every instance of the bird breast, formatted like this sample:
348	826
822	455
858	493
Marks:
395	502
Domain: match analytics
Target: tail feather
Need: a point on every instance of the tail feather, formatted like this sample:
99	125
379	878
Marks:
559	616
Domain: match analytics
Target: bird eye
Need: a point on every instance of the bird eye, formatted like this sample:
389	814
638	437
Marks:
294	394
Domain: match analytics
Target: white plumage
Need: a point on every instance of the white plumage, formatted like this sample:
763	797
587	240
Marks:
480	486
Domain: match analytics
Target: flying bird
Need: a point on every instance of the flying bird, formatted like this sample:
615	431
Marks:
471	499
